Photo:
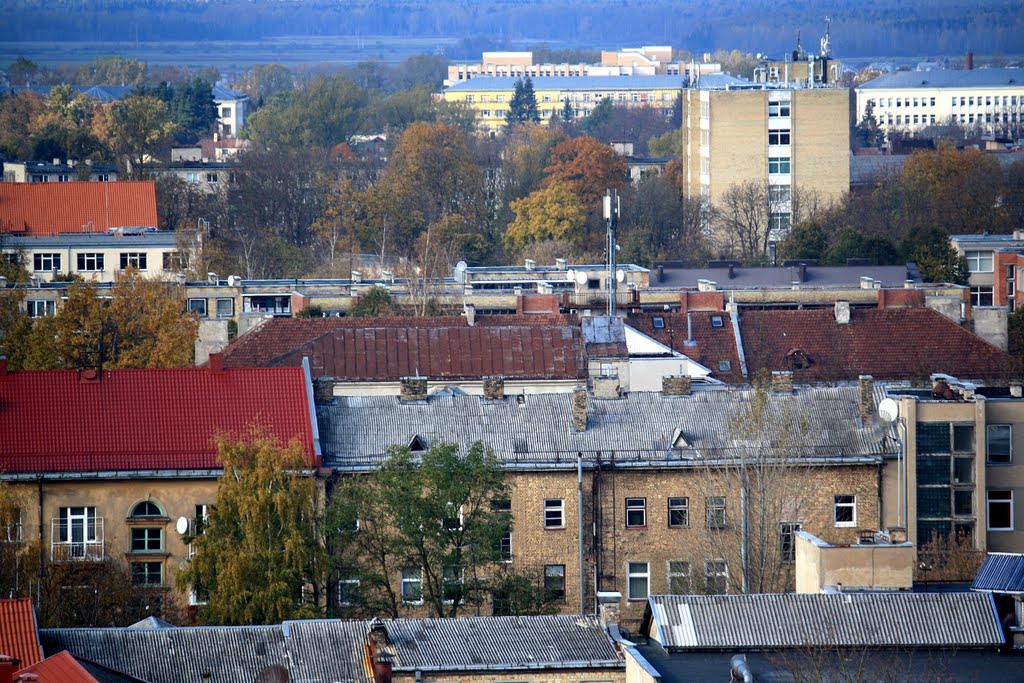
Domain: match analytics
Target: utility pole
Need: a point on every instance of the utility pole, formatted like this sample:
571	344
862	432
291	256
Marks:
611	214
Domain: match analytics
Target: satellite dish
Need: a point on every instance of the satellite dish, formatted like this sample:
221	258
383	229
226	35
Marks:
570	275
889	410
620	275
461	266
182	525
581	278
234	281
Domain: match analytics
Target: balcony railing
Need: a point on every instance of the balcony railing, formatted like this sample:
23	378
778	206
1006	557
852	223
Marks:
72	541
599	297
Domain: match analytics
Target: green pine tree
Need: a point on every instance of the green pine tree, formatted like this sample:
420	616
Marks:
523	106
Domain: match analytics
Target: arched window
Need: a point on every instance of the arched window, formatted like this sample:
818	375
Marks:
147	508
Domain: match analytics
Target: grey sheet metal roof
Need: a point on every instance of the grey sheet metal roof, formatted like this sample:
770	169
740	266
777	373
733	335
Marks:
589	83
331	650
1001	573
795	620
977	78
175	654
784	276
356	431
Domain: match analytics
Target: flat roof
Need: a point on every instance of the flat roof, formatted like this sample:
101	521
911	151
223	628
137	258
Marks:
941	78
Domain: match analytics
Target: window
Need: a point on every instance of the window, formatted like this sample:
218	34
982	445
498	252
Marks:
638	580
778	109
979	261
554	513
779	221
636	512
504	543
714	512
412	585
40	308
90	261
779	194
998	443
77	527
787	542
192	177
779	136
211	178
133	259
725	366
225	307
146	508
172	260
147	573
451	583
678	577
348	590
716	577
778	165
147	540
10	526
1000	510
845	510
981	296
45	262
658	322
197	306
225	112
554	582
679	512
717	321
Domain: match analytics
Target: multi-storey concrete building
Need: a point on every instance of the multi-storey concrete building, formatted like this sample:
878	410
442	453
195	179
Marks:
56	172
790	139
991	99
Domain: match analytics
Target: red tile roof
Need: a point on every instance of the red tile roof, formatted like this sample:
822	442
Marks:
47	209
389	353
18	636
60	668
53	421
713	344
893	344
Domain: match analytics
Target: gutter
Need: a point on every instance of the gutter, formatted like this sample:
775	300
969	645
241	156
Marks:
734	314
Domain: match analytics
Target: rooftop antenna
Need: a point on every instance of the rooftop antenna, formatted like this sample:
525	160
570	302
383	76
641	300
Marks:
825	48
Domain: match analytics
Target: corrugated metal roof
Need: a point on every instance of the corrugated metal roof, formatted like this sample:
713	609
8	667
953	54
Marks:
144	419
47	209
795	620
95	240
1001	573
332	650
640	428
938	78
18	631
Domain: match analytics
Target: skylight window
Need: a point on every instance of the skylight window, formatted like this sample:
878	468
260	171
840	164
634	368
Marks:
717	321
658	322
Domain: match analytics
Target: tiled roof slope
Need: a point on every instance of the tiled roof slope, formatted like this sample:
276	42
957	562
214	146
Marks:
356	431
713	344
889	344
18	631
60	668
48	209
54	421
800	620
332	650
365	349
1001	573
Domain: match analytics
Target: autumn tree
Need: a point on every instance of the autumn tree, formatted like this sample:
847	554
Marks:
588	167
963	188
21	71
133	128
263	81
19	559
525	158
17	114
325	113
15	324
142	324
436	512
374	303
660	222
936	259
552	213
260	557
334	228
743	214
522	108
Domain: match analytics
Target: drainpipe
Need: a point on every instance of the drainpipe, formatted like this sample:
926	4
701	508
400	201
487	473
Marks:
579	515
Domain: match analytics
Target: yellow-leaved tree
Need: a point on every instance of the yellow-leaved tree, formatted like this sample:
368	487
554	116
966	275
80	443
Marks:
552	213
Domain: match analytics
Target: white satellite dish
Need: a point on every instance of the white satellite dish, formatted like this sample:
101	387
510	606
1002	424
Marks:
234	281
461	266
182	525
570	275
581	278
889	410
620	275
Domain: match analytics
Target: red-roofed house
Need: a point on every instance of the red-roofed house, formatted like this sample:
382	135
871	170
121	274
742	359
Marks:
19	637
60	668
49	209
115	460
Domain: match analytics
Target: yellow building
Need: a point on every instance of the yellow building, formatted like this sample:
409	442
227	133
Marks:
489	96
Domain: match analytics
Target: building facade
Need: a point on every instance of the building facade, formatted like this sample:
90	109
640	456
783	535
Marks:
97	257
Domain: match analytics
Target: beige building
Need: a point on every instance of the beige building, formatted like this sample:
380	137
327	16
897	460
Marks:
792	140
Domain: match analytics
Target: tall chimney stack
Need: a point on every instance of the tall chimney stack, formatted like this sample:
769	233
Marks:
579	409
969	61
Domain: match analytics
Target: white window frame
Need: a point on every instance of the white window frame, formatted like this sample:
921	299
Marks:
636	507
134	259
681	505
980	260
228	300
349	581
192	306
783	165
980	292
410	579
93	261
988	443
47	262
998	501
40	308
552	507
452	575
712	505
641	571
675	569
712	571
852	506
10	531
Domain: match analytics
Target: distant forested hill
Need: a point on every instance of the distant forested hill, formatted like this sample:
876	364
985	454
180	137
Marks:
860	28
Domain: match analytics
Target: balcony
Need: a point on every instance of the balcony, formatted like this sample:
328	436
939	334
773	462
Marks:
599	297
76	540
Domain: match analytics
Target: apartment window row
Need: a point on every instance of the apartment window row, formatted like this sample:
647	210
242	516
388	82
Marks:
678	578
88	261
892	103
899	120
982	296
989	101
224	307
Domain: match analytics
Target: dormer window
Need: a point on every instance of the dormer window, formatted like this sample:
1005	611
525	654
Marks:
418	444
717	321
679	440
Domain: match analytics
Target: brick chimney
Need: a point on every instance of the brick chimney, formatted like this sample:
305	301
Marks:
676	385
579	409
469	310
8	665
867	397
782	381
216	363
843	312
381	660
413	389
3	365
607	387
494	388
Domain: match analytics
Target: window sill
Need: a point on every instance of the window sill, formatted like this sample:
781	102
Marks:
999	530
147	554
554	528
845	525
